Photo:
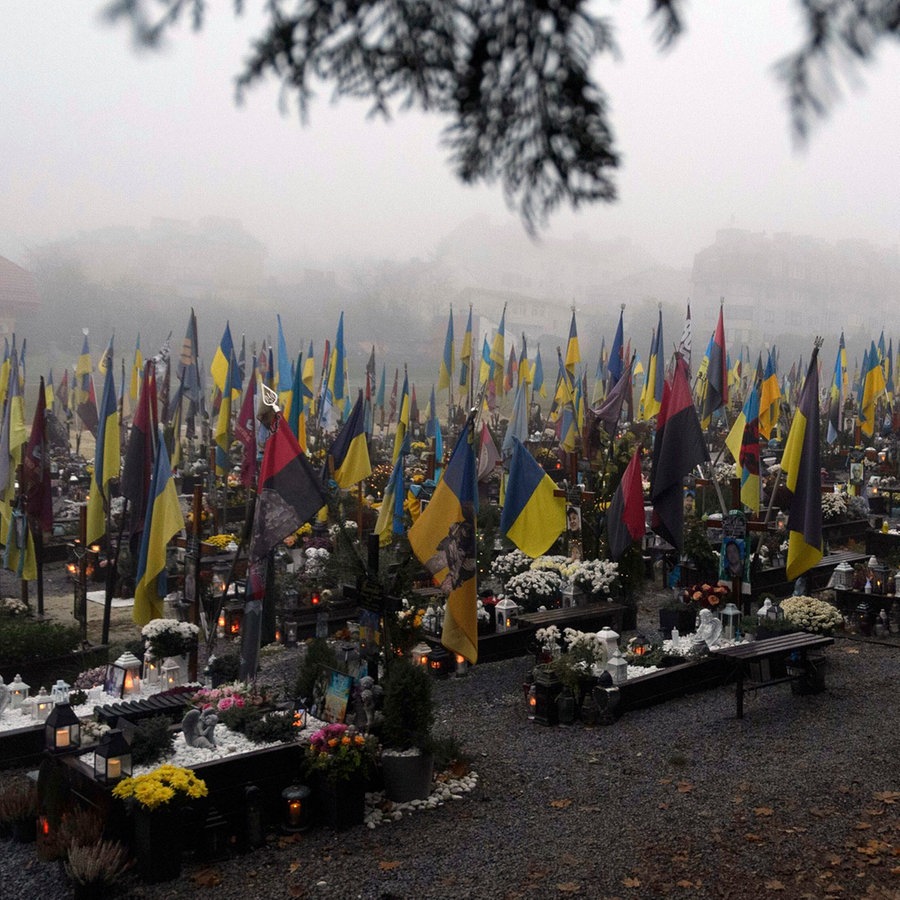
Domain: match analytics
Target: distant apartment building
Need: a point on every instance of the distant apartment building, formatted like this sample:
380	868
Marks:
19	296
786	284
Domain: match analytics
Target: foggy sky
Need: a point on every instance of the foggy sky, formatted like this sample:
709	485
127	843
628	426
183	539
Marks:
95	134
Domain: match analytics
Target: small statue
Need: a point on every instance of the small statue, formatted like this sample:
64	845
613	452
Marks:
199	728
367	695
709	630
5	696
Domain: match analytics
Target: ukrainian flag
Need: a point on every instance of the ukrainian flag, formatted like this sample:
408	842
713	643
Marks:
162	522
445	377
348	458
573	351
444	540
222	359
107	459
533	516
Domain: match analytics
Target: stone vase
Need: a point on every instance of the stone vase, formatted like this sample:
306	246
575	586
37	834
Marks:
407	777
341	803
158	843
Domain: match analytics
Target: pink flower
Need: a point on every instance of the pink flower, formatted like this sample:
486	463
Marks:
225	703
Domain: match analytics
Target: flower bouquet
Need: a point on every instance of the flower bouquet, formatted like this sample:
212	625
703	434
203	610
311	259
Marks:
338	753
169	637
535	588
705	596
593	576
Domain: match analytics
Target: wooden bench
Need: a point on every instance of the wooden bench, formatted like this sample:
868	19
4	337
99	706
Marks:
583	618
746	656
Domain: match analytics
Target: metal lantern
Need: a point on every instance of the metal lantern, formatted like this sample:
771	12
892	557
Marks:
296	808
421	654
112	758
62	730
43	703
617	666
171	673
879	575
131	666
290	634
18	692
59	693
731	621
843	576
439	663
219	578
507	613
300	715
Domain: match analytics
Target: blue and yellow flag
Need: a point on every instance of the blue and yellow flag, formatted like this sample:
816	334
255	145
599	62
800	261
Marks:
107	459
465	353
486	369
285	377
163	521
872	389
445	378
573	351
223	424
348	459
401	436
443	539
533	516
221	362
801	463
498	352
769	400
743	443
537	384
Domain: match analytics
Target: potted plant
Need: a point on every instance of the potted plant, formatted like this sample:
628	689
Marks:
407	762
95	868
339	760
157	801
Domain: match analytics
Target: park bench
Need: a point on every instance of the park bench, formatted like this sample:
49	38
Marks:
757	660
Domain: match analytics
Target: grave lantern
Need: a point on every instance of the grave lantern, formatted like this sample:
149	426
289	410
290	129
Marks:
609	641
731	621
843	576
150	673
131	665
300	715
439	662
59	693
290	634
43	703
421	654
462	665
507	613
18	692
62	729
879	573
617	666
171	673
112	758
296	808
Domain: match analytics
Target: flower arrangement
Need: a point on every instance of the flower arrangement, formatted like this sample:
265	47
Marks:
226	697
338	752
552	563
406	627
534	588
812	614
169	637
705	596
12	607
594	576
222	541
509	564
549	638
834	507
161	786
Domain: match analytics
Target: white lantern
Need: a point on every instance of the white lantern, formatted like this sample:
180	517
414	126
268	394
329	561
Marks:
617	666
171	673
731	620
151	669
507	613
59	693
421	654
843	576
132	666
18	692
609	641
43	703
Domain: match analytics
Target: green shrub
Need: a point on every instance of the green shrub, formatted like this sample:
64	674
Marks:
237	718
408	706
274	726
319	655
225	669
26	640
152	740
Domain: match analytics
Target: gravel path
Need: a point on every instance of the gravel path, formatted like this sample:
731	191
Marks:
678	800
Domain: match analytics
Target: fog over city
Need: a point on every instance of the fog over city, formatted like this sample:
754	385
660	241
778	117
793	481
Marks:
99	135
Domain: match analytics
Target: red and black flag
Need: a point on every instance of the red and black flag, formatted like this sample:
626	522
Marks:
677	447
141	450
36	469
716	395
290	492
625	516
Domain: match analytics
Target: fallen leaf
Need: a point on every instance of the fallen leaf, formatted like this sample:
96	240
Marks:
297	890
753	838
663	806
207	878
895	870
887	796
763	811
560	804
684	787
852	650
684	883
631	882
835	860
862	826
389	865
774	885
737	800
590	809
874	812
568	887
834	889
665	780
